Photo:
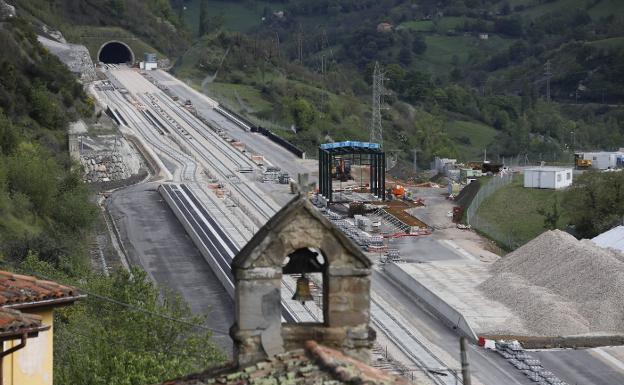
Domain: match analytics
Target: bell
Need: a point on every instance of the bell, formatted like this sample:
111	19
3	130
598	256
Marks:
302	293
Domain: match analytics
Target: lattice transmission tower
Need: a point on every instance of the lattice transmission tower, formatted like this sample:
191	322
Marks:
376	131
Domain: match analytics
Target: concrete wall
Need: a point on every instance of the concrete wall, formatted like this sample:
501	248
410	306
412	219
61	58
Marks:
223	278
31	365
446	312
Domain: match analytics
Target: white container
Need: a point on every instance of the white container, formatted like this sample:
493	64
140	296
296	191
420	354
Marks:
548	177
602	160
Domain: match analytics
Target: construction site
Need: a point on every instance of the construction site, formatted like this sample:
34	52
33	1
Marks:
433	278
553	292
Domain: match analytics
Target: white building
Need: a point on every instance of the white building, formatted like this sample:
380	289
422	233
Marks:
613	238
148	66
548	177
604	160
442	165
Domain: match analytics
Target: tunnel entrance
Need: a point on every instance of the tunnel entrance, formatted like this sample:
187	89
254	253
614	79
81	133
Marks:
115	52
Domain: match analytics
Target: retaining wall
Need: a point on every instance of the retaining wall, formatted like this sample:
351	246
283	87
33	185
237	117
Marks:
446	312
227	284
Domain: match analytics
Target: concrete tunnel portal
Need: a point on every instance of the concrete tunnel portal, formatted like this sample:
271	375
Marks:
115	52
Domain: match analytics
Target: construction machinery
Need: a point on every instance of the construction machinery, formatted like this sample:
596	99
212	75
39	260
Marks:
398	191
582	163
341	169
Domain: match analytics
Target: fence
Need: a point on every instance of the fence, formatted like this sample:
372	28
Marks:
477	222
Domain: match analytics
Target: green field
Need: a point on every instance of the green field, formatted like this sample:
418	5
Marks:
536	9
614	42
438	58
240	96
513	212
607	7
237	16
478	135
417	25
440	25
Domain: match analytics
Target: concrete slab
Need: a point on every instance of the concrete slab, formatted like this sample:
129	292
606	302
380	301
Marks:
455	283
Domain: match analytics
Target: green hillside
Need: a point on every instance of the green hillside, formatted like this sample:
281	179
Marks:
476	68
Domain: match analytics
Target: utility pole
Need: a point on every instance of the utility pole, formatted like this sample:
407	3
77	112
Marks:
376	131
415	150
548	74
464	362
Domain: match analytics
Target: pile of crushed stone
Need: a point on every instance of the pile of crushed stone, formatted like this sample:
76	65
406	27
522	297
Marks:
560	286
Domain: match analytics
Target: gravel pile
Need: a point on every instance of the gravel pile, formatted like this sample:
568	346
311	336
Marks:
560	286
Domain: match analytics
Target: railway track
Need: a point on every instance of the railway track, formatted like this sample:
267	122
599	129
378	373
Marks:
412	347
250	196
188	166
222	250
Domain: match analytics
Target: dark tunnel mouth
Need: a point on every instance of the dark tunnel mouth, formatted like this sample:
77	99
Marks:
115	52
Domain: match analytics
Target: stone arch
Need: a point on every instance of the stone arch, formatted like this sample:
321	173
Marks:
115	52
258	332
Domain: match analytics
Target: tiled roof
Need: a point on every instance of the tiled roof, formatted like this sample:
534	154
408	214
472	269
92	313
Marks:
15	323
18	291
315	364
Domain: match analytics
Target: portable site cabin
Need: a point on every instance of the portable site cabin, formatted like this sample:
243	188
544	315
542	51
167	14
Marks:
548	177
604	160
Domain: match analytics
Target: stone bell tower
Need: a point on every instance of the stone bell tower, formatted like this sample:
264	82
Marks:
282	247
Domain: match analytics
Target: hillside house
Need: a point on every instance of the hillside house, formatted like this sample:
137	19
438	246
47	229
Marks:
27	304
384	27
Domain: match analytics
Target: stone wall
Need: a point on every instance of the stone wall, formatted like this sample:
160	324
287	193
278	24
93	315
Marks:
75	56
103	166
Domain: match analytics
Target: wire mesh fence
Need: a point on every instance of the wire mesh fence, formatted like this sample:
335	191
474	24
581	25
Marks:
504	238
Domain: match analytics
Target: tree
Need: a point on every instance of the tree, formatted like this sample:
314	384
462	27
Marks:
32	173
204	18
45	109
525	98
405	56
99	342
551	217
595	202
418	45
303	114
8	135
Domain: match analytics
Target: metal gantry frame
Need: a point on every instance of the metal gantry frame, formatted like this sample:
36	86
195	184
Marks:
376	160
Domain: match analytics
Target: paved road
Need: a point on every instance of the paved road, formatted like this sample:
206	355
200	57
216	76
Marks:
155	240
599	366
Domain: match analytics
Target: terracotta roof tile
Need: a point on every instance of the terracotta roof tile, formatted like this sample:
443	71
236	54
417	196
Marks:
315	365
15	323
18	290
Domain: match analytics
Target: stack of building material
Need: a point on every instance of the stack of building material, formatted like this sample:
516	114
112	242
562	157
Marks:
560	286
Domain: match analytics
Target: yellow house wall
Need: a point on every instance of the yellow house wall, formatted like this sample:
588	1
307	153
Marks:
31	365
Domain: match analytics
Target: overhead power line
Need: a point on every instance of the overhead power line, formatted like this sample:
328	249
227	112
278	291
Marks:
120	303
